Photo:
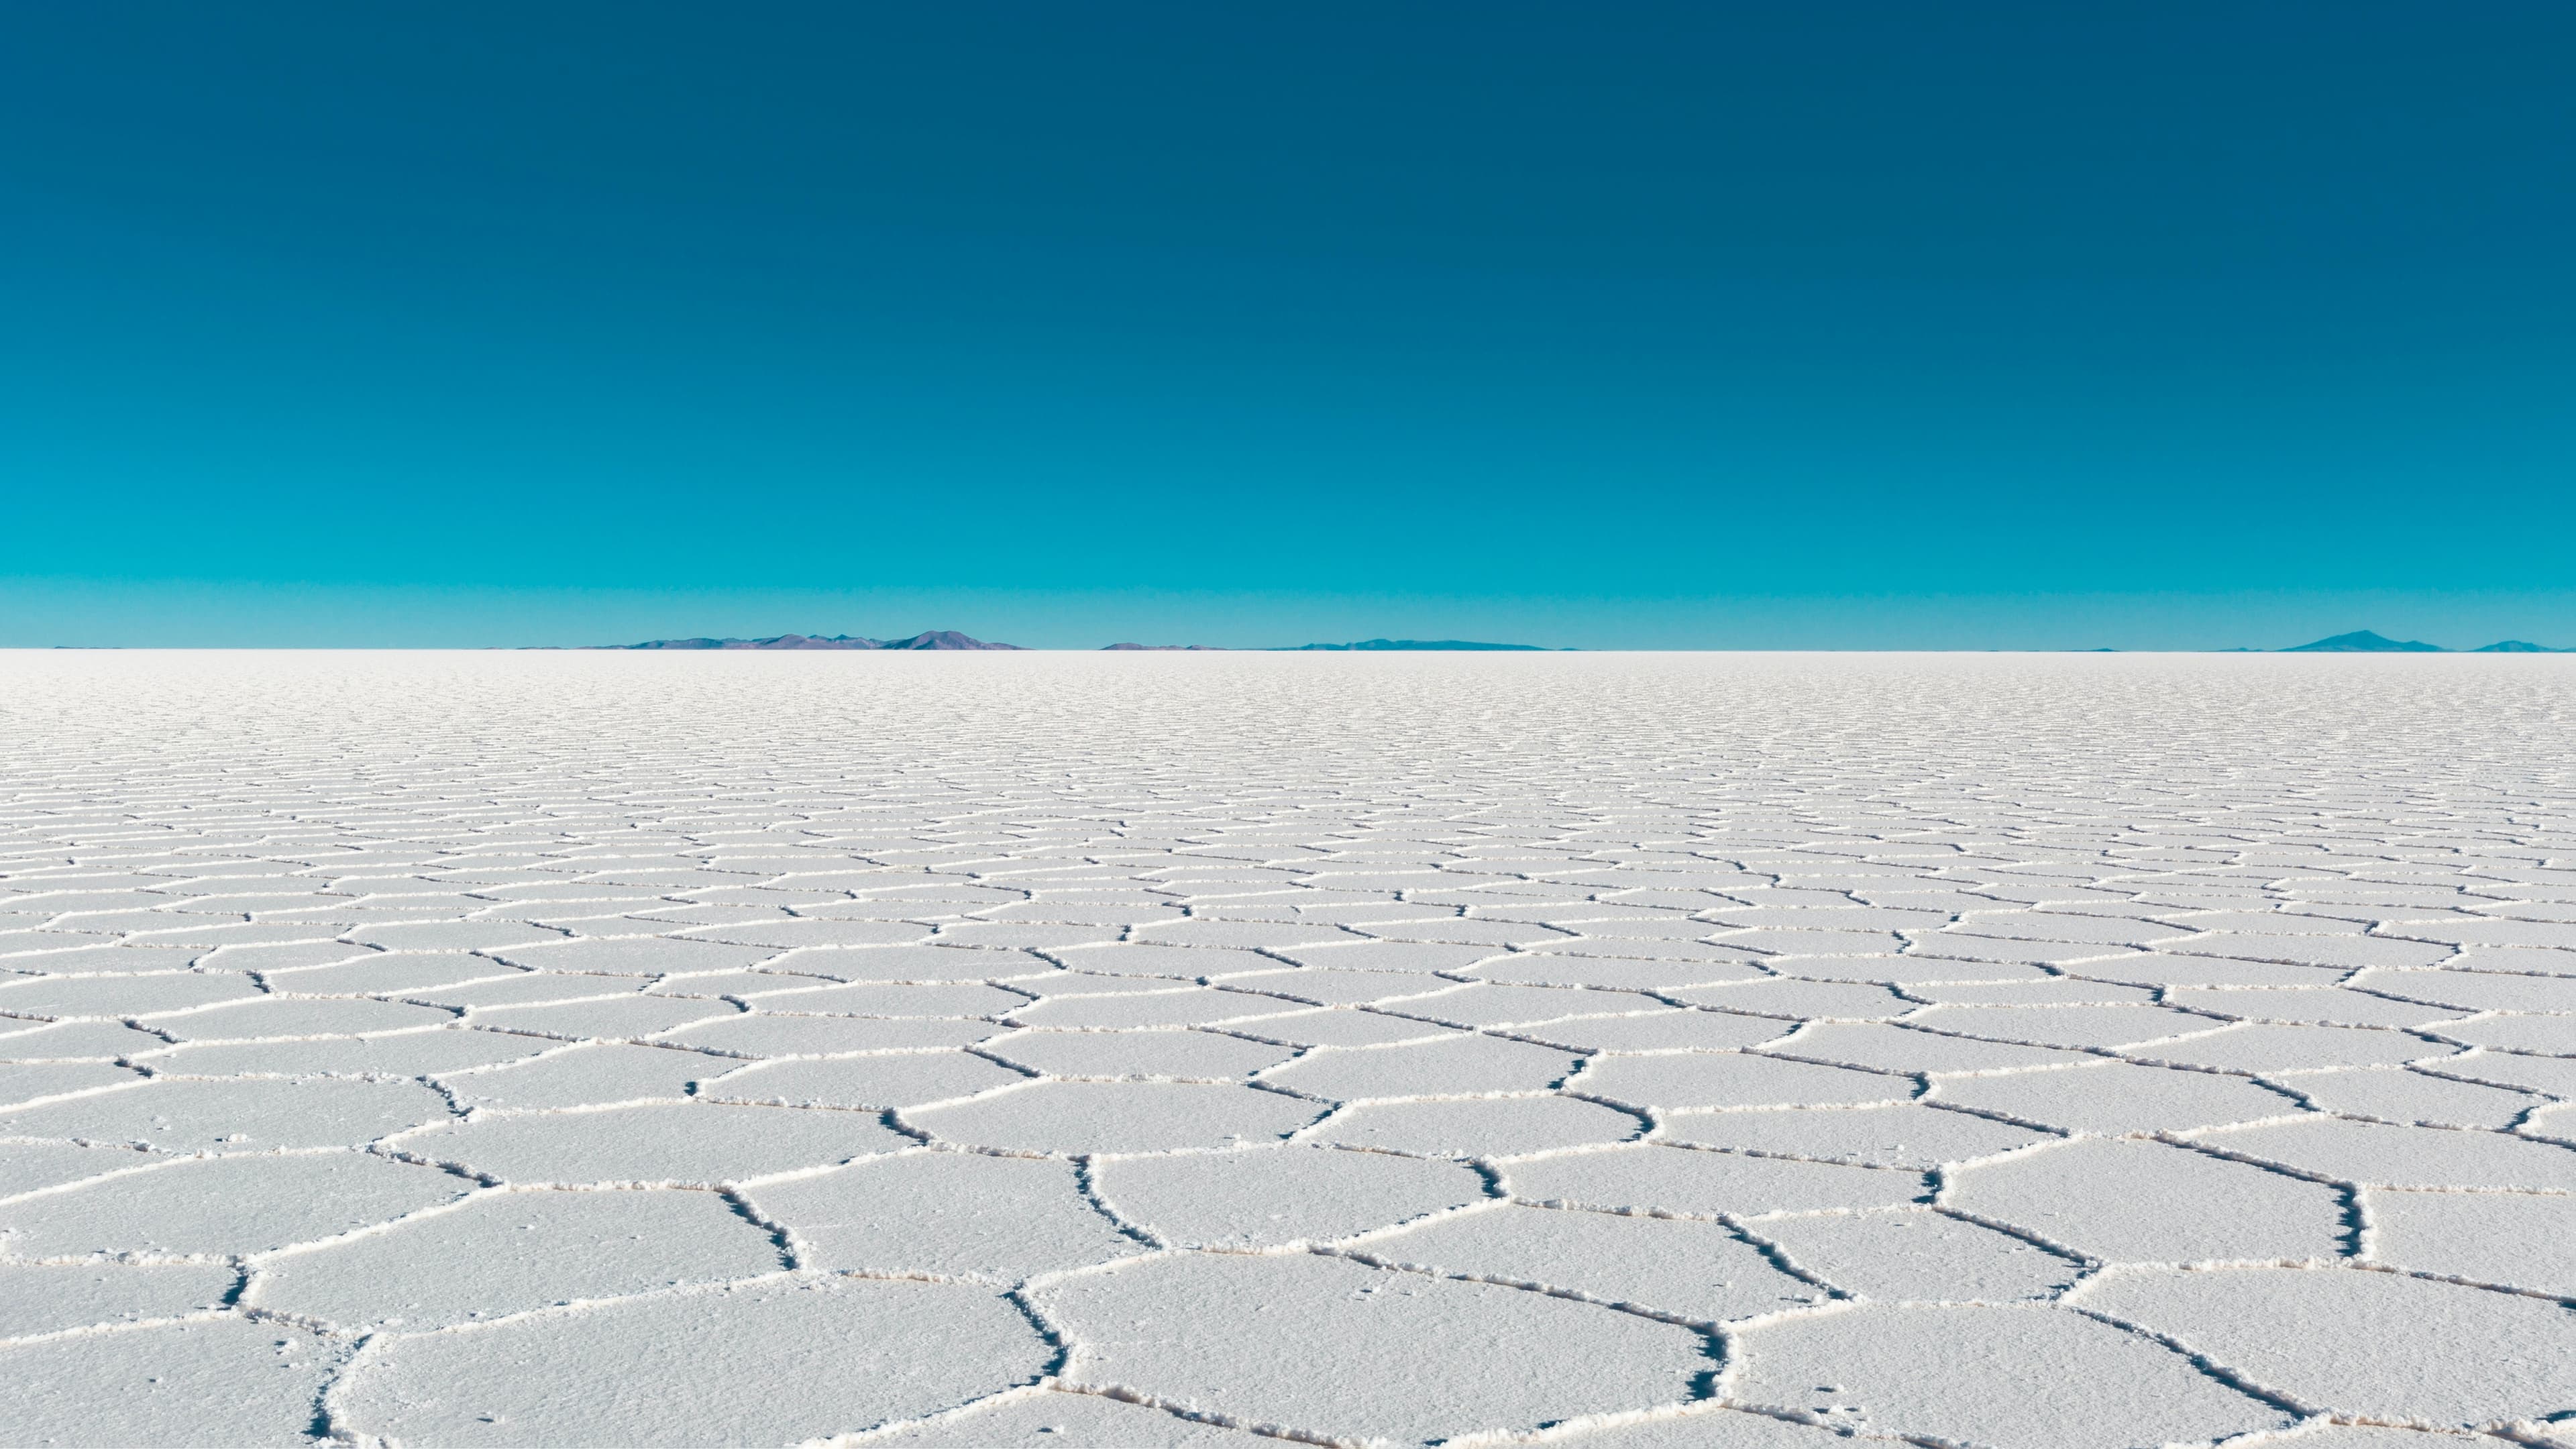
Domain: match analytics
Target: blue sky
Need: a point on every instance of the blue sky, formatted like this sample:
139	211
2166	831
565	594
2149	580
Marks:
1987	325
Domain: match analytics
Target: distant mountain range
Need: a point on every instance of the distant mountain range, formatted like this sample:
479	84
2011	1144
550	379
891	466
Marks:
2363	641
1365	645
951	639
1377	644
2360	641
933	639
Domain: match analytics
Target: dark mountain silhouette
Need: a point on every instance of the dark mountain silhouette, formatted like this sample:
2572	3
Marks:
941	639
2363	641
933	639
2518	646
1377	644
1162	648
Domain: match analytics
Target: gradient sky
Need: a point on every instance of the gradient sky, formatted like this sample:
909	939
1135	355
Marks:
2162	324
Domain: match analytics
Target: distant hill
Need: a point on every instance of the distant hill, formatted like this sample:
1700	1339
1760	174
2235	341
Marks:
1162	648
941	639
933	639
2363	641
1377	644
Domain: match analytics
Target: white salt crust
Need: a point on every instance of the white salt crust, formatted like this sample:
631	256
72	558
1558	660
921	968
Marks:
1632	1051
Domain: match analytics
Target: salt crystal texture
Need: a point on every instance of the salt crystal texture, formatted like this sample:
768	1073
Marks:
1636	1051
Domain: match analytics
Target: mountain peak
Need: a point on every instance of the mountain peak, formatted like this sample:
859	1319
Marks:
2363	641
940	639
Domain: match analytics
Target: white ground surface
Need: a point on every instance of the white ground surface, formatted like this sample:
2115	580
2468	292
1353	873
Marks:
1630	1051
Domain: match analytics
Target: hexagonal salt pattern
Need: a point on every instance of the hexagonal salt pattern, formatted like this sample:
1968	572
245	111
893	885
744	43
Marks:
1631	1051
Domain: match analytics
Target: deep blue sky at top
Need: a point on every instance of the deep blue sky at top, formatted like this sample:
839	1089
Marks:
1630	304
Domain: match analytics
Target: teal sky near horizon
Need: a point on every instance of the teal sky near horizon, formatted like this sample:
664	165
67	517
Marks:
1659	325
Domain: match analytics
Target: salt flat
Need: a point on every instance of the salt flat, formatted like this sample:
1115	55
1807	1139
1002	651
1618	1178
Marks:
1620	1050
